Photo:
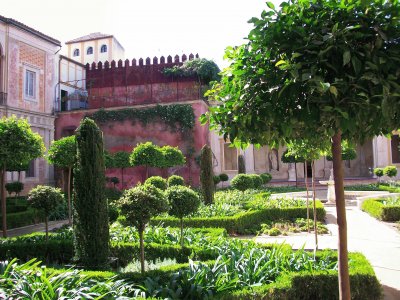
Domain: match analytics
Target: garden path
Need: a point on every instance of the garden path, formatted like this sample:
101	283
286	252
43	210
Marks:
378	241
40	227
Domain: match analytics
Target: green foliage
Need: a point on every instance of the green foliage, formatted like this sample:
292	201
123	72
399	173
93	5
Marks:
257	180
157	181
45	198
141	203
207	174
146	154
377	208
113	213
24	218
91	232
172	157
14	187
241	165
17	167
266	177
289	157
121	159
114	180
379	172
172	115
216	179
18	143
390	171
183	201
223	177
175	180
62	152
348	152
112	194
206	70
242	182
108	160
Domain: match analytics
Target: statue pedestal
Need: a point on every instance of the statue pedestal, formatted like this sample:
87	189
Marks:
331	197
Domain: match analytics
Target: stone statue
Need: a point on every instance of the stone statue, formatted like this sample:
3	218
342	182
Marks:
273	160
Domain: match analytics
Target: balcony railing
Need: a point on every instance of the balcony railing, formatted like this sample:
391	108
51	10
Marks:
3	98
69	105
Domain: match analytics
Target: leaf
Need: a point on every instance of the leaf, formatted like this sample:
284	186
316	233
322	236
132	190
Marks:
271	5
346	57
356	64
281	62
333	90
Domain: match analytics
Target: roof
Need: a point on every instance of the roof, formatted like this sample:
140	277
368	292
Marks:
90	37
30	30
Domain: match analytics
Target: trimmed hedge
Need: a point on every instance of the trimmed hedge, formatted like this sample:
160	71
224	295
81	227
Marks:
24	218
242	223
375	208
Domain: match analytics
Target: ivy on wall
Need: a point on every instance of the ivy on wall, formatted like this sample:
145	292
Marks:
172	115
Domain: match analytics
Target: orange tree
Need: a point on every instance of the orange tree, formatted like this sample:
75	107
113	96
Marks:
309	68
18	145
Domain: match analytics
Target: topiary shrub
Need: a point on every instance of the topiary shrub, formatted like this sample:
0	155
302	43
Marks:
138	205
265	177
112	213
114	180
241	165
242	182
206	174
379	173
175	180
257	181
157	181
183	201
45	199
216	179
91	233
223	177
390	171
147	155
14	187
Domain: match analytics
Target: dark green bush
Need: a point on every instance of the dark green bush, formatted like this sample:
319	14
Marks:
266	177
112	194
216	179
241	165
24	218
242	182
377	209
14	187
378	172
206	174
158	182
175	180
112	212
224	177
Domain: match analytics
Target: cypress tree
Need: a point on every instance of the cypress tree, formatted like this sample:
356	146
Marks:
91	233
207	174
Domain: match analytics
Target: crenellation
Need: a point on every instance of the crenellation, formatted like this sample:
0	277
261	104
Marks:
106	64
113	64
169	59
126	63
120	63
148	61
176	60
141	62
134	62
155	60
100	65
184	58
162	60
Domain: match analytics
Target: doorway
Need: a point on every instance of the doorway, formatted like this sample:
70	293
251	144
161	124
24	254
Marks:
308	166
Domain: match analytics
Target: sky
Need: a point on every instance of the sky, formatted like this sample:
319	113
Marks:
145	28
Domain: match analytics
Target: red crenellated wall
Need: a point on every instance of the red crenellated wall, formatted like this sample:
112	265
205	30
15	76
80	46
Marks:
123	136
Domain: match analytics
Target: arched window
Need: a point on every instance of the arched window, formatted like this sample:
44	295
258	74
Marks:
76	52
89	50
103	49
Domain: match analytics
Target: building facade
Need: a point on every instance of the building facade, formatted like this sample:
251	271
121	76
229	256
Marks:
28	78
95	47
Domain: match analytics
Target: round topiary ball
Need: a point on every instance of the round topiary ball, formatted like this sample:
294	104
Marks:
390	171
157	181
378	172
242	182
216	179
182	200
224	177
266	177
176	180
257	181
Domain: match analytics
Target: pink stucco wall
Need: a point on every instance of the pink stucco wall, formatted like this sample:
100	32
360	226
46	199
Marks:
123	136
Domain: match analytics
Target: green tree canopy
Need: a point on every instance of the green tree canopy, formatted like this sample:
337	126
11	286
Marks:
172	157
62	152
314	68
121	159
147	155
18	146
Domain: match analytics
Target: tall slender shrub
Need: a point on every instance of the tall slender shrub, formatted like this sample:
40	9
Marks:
207	174
91	233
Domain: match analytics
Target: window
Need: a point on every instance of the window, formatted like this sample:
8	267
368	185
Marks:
31	169
230	157
89	50
103	49
76	52
30	84
395	143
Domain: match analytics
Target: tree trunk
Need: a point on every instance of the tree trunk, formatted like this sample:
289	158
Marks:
308	196
146	173
19	176
69	196
141	250
46	223
4	201
314	206
344	280
295	171
182	232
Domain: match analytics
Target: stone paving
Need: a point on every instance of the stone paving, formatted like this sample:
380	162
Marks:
35	228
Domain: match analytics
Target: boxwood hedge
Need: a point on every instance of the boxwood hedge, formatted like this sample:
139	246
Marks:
377	209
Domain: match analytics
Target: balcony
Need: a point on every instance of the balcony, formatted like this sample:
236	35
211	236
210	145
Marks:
3	98
75	101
